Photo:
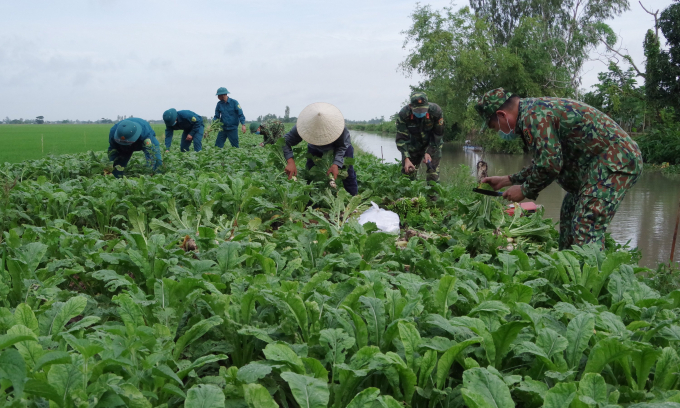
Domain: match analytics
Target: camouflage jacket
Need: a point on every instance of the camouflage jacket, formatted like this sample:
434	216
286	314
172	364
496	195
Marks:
573	143
416	135
271	131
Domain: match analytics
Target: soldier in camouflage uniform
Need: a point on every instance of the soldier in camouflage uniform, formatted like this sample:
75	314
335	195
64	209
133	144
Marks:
420	131
271	130
583	149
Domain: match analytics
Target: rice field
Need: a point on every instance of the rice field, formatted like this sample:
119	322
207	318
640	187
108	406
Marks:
29	142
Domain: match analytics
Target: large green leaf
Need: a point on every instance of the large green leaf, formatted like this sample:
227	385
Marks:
52	357
665	374
504	336
447	359
644	358
196	331
482	389
42	389
579	331
427	365
166	372
592	391
551	342
283	353
560	396
365	398
360	328
374	312
72	308
65	378
308	392
604	352
410	338
445	295
204	396
253	372
257	396
13	368
297	307
24	315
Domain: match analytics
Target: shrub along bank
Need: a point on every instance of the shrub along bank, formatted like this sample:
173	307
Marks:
220	283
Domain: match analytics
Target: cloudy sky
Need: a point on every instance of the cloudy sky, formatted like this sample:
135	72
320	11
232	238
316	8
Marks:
88	59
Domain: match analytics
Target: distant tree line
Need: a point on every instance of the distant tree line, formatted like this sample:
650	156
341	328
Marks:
40	120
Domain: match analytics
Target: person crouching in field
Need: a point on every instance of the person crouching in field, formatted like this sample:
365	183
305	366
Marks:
322	126
271	131
190	123
420	136
589	155
132	135
230	113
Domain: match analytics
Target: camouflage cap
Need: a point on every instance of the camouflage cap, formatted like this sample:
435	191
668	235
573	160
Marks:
419	102
491	102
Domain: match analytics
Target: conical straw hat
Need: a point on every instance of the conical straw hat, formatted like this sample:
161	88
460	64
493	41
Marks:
320	123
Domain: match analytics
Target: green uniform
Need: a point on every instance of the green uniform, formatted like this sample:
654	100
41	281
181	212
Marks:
586	152
271	130
417	136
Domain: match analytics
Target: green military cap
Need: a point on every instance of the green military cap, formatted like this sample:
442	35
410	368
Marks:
254	126
170	117
127	132
222	91
491	102
419	102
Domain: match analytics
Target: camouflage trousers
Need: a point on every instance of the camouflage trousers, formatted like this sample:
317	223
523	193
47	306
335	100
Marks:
417	159
585	216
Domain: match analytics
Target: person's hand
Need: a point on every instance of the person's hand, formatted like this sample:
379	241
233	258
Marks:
408	166
427	158
243	128
167	151
514	194
497	182
291	169
262	144
334	170
189	138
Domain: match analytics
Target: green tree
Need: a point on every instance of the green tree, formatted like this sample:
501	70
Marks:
286	116
570	29
39	120
459	59
663	66
618	95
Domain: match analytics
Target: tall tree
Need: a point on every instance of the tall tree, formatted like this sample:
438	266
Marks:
571	28
663	66
286	116
455	53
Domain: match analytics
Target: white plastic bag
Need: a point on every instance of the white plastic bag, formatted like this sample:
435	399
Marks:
387	221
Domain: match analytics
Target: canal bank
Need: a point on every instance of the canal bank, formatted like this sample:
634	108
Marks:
645	219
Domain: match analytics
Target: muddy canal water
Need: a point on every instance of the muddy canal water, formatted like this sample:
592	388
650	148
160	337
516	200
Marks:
645	219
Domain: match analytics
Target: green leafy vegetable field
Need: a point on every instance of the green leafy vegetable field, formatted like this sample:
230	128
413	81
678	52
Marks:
219	283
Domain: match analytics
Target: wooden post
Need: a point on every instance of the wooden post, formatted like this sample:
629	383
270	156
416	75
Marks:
42	143
675	233
382	158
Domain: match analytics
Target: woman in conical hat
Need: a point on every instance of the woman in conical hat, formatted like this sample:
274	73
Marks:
322	126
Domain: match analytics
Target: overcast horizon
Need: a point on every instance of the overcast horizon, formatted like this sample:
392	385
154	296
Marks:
88	60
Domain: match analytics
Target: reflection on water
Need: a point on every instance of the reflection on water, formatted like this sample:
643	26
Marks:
646	216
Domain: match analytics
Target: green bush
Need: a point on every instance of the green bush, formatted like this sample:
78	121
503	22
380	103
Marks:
661	144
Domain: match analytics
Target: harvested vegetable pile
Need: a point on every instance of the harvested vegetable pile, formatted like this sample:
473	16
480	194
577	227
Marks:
218	284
